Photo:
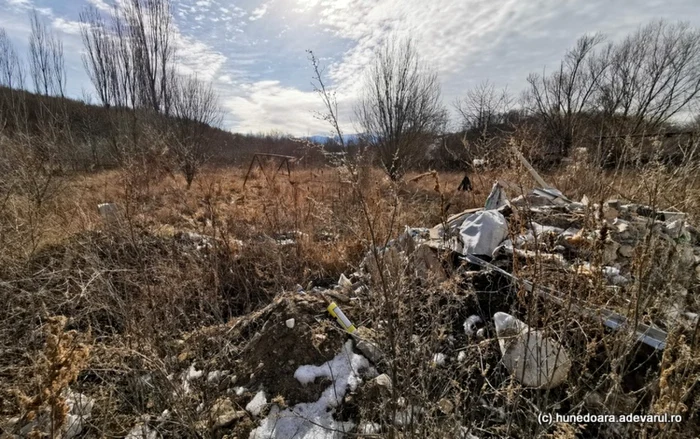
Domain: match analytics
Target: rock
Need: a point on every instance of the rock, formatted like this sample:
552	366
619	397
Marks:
610	252
614	204
289	323
534	359
626	251
344	282
427	263
446	406
257	404
223	413
370	350
384	381
610	214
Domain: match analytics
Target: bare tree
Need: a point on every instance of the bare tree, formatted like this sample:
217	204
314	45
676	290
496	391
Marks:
101	56
195	107
46	59
400	109
11	72
328	97
561	97
131	62
483	107
654	74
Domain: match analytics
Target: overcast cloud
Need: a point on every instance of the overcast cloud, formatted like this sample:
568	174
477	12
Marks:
254	52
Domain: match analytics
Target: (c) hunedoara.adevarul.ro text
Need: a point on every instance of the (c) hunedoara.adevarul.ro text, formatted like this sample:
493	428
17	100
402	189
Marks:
556	418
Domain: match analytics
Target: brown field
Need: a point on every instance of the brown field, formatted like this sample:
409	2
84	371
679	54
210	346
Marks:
120	310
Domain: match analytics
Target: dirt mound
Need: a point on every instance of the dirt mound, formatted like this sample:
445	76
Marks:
264	352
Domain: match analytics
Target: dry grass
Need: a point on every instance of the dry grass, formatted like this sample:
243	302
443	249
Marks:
146	295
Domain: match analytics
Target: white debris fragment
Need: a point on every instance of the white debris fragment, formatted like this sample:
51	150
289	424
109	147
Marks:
79	411
315	420
470	324
439	359
369	428
534	359
289	323
188	376
407	416
461	357
239	390
257	404
142	431
216	375
344	282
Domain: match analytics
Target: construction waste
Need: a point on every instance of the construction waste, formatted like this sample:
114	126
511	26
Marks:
309	363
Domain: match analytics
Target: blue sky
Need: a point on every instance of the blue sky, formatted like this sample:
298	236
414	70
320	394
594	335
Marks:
254	52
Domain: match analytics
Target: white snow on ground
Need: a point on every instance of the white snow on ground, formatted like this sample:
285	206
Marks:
315	420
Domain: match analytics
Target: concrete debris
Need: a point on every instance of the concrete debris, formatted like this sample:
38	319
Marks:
223	413
257	404
439	359
142	431
76	417
497	198
446	406
531	357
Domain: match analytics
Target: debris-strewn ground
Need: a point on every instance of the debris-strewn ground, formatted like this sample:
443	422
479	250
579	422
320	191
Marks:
203	313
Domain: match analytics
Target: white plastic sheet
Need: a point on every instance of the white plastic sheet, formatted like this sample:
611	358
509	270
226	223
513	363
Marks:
482	232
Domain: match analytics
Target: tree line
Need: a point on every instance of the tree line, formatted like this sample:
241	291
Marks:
601	96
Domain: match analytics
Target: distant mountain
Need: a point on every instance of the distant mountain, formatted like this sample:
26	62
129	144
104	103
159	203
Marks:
324	139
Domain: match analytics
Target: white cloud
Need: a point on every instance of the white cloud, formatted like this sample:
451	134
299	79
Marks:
100	4
266	106
259	12
67	26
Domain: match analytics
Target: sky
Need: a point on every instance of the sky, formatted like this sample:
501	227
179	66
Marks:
254	53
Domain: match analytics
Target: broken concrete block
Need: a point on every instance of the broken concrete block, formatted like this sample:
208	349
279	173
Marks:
427	263
610	252
223	413
626	251
533	358
257	404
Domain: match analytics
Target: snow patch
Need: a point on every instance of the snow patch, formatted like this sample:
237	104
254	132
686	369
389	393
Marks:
315	420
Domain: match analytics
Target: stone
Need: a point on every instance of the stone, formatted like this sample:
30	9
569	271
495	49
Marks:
289	323
626	251
446	406
384	381
370	350
534	359
257	404
610	252
223	413
610	214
